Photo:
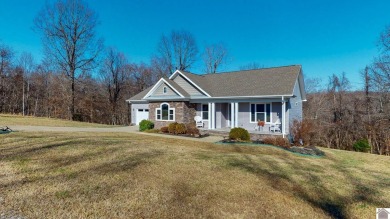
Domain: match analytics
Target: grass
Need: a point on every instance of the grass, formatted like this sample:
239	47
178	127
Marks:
10	120
76	175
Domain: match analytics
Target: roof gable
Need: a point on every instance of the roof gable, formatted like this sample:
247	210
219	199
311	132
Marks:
173	90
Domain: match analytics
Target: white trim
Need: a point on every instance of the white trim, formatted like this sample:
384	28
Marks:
209	122
157	85
265	112
178	72
212	118
232	115
236	114
283	116
169	108
201	111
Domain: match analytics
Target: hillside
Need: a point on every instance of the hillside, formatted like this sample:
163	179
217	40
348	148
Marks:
10	120
76	175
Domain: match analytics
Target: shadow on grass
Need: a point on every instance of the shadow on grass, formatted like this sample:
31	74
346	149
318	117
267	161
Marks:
314	190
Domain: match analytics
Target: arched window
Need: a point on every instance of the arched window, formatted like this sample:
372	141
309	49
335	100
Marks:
165	90
165	113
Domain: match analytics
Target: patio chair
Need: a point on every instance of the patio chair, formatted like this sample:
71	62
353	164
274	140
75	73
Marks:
275	127
199	121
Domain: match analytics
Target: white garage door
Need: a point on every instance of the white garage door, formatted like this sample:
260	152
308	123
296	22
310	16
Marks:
141	115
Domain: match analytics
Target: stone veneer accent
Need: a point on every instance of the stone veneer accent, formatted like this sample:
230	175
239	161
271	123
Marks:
184	113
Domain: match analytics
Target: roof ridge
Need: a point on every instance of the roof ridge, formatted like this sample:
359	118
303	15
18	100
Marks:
227	72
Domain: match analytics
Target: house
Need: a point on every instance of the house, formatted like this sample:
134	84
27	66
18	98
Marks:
382	213
225	100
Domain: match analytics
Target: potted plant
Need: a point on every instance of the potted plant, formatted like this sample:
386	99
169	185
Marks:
261	124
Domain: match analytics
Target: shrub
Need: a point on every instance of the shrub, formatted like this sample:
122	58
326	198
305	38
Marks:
146	125
239	134
192	130
282	142
180	128
172	128
269	140
305	130
362	146
164	129
277	141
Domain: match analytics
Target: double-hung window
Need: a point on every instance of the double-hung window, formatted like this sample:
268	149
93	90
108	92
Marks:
205	112
165	113
261	112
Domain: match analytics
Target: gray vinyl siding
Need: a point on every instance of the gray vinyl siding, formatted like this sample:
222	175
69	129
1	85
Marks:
187	86
159	92
295	105
134	109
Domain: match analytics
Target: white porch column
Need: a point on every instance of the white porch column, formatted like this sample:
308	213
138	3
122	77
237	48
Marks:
209	123
236	114
232	115
212	115
283	117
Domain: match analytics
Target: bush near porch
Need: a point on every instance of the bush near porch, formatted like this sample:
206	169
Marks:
239	134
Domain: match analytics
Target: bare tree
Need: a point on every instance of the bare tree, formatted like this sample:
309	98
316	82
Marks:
251	65
115	72
26	62
68	33
214	57
177	51
6	62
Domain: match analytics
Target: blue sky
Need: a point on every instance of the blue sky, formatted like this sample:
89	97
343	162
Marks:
325	37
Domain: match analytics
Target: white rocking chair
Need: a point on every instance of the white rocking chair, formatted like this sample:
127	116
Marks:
199	121
275	127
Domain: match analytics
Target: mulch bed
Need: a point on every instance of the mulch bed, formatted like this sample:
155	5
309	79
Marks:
309	150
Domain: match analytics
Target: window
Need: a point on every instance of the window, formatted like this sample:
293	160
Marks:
261	111
165	90
205	112
164	113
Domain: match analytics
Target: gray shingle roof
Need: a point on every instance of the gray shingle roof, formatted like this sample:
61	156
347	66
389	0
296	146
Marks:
141	94
259	82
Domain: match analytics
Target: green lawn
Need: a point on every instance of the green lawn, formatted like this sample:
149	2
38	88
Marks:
10	120
79	175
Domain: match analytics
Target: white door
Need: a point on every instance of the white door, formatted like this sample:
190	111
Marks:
141	115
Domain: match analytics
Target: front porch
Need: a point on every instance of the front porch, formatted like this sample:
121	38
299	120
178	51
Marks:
220	117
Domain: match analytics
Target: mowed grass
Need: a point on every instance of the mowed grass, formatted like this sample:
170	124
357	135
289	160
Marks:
10	120
108	175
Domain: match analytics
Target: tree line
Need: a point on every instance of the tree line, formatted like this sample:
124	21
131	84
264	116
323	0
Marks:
82	79
338	117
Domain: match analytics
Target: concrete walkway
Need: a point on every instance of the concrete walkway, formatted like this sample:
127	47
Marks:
125	129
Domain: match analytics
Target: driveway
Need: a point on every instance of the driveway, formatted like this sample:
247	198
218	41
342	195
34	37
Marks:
125	129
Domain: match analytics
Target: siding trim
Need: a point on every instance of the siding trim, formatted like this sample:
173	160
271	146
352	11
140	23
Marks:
162	80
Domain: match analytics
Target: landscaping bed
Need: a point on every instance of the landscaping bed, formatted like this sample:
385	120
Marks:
308	150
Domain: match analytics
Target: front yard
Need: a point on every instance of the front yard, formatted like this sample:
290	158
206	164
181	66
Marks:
79	175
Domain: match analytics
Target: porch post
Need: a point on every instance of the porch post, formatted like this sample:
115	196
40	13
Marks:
236	114
212	115
283	116
209	123
232	115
